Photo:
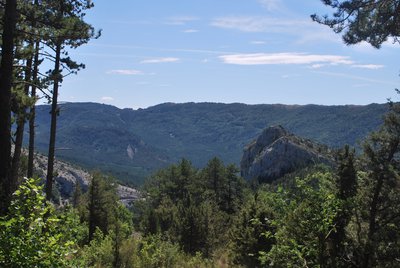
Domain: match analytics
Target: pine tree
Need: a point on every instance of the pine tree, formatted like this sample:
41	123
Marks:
102	200
68	29
7	186
363	20
346	189
379	195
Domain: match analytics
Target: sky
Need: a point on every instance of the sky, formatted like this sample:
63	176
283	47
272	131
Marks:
247	51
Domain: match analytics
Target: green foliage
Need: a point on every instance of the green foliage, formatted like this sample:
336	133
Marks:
363	20
193	208
138	252
32	235
98	253
253	230
102	202
375	225
303	231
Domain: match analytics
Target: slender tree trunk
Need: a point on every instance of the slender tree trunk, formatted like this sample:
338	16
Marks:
21	117
53	127
368	250
32	115
6	75
32	112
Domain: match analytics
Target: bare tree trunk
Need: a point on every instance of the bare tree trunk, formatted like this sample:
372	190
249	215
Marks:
32	112
21	117
53	127
6	76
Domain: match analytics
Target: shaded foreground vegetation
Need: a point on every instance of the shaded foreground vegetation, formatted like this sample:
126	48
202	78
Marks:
320	217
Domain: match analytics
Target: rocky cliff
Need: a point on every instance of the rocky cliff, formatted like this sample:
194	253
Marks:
276	152
67	176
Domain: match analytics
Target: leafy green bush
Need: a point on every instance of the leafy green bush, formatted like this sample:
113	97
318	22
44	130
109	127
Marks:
32	235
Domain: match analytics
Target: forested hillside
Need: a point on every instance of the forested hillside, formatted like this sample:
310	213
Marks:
132	144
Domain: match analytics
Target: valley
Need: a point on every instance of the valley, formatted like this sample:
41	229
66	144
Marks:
132	144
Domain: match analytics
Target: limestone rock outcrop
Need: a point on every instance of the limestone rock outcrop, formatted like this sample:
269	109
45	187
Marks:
276	152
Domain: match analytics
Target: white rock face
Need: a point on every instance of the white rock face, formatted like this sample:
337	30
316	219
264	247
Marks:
277	152
131	151
67	176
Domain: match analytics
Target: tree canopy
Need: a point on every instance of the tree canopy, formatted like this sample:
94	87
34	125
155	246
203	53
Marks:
372	21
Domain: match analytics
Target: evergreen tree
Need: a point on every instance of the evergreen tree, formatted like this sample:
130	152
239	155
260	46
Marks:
346	189
102	199
363	20
7	186
253	230
378	218
65	17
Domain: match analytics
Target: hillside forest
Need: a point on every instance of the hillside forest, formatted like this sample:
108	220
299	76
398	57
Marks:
343	214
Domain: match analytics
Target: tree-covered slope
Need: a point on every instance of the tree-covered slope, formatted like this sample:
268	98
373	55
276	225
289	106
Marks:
133	143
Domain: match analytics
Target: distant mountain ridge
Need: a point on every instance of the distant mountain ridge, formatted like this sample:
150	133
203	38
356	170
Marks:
131	144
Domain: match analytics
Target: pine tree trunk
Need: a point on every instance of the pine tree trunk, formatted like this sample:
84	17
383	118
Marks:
32	112
21	117
369	245
53	127
6	75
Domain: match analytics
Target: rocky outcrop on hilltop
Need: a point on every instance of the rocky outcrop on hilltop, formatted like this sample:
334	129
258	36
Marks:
68	176
276	152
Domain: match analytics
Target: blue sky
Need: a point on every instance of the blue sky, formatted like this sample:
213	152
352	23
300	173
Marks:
248	51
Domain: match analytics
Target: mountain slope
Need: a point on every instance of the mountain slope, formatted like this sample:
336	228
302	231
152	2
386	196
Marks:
133	143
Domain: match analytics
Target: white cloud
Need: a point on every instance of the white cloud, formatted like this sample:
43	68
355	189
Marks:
317	66
181	20
283	58
190	31
125	72
271	5
258	24
257	42
355	77
304	31
161	60
368	66
286	76
107	99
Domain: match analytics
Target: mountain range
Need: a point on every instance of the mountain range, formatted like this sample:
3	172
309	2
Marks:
132	144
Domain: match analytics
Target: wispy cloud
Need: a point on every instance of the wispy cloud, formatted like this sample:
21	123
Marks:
355	77
107	99
258	42
283	58
126	72
258	24
160	60
304	31
271	5
317	66
181	20
190	31
158	49
368	66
